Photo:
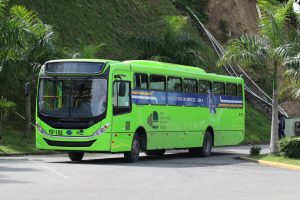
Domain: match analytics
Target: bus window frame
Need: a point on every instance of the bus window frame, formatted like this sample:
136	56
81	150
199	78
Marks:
191	79
134	81
130	98
210	86
224	89
156	89
174	90
165	90
236	89
239	85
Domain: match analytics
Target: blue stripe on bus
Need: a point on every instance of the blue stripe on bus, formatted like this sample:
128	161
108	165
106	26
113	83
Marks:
140	97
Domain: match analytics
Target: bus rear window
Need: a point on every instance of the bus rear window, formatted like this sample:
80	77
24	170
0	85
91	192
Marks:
231	89
157	82
239	90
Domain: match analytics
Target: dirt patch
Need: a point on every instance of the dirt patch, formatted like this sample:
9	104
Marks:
292	108
231	18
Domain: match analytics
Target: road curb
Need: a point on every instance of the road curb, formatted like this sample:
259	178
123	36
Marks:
272	164
30	154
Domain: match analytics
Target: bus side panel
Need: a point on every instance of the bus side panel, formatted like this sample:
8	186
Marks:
229	125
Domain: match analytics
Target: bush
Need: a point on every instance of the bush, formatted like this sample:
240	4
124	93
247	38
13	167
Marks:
290	147
255	151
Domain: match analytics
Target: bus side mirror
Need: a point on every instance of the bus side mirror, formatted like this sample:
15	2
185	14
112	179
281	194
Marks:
122	89
27	89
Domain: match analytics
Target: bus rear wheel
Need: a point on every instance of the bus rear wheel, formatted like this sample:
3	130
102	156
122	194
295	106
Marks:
76	156
133	155
205	150
157	153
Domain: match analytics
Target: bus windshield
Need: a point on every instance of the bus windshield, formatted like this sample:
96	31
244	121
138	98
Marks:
72	98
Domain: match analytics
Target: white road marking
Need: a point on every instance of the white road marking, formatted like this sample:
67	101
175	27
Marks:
49	169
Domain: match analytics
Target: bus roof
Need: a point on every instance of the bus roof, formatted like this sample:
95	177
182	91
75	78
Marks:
83	60
148	66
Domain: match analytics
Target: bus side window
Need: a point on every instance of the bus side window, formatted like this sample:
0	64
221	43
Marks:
174	84
121	97
204	86
239	90
157	82
190	85
231	89
141	81
218	88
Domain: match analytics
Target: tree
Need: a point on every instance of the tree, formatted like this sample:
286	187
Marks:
82	50
269	48
173	45
6	107
26	43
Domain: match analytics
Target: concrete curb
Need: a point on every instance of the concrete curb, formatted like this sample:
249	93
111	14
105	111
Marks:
272	164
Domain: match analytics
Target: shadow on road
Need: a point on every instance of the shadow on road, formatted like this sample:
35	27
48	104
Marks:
177	160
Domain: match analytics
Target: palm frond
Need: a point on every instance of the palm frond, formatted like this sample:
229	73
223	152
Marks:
293	65
3	6
274	20
24	17
246	50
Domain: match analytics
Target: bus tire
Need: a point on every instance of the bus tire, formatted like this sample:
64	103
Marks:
133	155
76	156
205	150
157	153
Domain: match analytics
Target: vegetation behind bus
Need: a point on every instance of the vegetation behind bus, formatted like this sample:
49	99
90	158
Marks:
13	90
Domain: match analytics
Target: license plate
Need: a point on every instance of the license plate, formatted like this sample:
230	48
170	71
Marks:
55	132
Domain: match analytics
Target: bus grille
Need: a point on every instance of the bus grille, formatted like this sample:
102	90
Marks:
69	144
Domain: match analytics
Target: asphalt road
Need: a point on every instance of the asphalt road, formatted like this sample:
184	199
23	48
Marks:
176	176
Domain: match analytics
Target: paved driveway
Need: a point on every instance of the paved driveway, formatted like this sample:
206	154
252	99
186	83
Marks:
176	176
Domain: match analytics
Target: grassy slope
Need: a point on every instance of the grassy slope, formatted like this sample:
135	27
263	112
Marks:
12	142
258	126
112	22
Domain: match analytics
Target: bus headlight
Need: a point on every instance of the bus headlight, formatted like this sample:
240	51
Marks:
40	129
101	130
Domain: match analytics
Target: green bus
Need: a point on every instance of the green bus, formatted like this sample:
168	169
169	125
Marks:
91	105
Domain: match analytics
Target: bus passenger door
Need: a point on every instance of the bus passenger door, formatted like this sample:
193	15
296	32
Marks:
121	121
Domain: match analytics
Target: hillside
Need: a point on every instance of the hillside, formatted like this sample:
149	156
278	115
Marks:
112	22
116	23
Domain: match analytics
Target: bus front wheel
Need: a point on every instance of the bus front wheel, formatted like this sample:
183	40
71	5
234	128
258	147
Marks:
76	156
205	150
133	155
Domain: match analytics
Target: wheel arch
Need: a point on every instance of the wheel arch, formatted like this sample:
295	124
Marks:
141	131
212	133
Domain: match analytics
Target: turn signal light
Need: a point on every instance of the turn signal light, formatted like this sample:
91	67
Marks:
101	130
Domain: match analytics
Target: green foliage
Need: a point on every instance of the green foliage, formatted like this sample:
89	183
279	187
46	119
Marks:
268	48
176	45
26	43
83	51
113	22
290	147
198	6
255	151
258	126
6	107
